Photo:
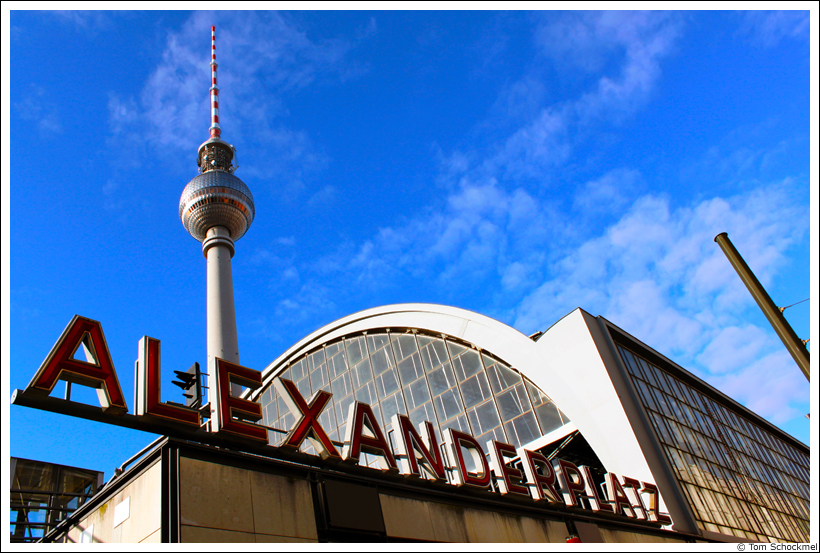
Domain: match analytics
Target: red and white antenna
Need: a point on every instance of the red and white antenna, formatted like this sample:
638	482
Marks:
215	129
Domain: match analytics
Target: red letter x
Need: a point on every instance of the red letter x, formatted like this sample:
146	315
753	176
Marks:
308	425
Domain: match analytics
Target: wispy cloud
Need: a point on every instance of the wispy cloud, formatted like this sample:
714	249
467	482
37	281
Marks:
608	193
658	274
771	386
491	222
769	28
626	46
86	20
37	108
655	272
264	57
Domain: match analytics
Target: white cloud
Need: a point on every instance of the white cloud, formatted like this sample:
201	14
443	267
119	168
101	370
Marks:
122	114
262	55
658	274
629	45
323	197
607	193
772	386
85	20
36	107
544	143
769	28
733	347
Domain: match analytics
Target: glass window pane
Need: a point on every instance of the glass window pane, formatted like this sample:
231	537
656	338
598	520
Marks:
548	417
366	394
526	428
377	341
341	385
475	389
454	348
448	404
416	393
410	369
304	387
269	414
342	408
382	360
564	416
331	349
328	419
509	404
338	364
423	413
496	434
536	396
318	378
471	363
361	374
459	423
317	358
512	436
387	383
485	417
441	379
523	398
392	405
646	395
435	354
404	345
506	376
632	364
355	351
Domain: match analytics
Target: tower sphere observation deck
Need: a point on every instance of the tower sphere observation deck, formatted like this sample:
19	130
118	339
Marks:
216	198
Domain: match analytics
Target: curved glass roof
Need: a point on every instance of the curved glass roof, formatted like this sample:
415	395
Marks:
425	376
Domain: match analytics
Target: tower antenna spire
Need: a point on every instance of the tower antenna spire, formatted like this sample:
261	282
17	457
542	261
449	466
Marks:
215	129
215	153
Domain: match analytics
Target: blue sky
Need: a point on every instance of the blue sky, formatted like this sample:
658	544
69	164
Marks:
518	164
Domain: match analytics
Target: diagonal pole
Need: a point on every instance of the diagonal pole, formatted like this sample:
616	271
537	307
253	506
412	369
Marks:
795	345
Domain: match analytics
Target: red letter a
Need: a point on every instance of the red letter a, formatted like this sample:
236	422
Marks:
98	373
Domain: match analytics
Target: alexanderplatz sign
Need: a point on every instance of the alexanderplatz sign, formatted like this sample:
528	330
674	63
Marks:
232	421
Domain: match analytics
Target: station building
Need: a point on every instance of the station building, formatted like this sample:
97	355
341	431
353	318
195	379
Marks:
582	392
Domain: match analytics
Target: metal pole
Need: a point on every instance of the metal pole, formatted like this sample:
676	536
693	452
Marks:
796	347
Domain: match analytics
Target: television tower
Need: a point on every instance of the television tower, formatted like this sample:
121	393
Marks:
217	209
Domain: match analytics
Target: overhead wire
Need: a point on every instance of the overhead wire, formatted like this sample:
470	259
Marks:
782	309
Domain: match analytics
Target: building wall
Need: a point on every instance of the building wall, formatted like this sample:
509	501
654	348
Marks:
426	520
583	389
132	515
225	504
230	504
218	496
609	535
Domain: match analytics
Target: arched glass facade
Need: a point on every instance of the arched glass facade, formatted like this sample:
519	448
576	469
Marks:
424	376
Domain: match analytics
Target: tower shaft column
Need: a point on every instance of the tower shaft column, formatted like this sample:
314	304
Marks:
218	248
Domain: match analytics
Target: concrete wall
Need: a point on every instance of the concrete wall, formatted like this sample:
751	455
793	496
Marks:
224	504
219	503
427	520
132	515
624	536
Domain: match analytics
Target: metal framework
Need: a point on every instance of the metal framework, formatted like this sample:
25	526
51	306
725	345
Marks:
44	494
